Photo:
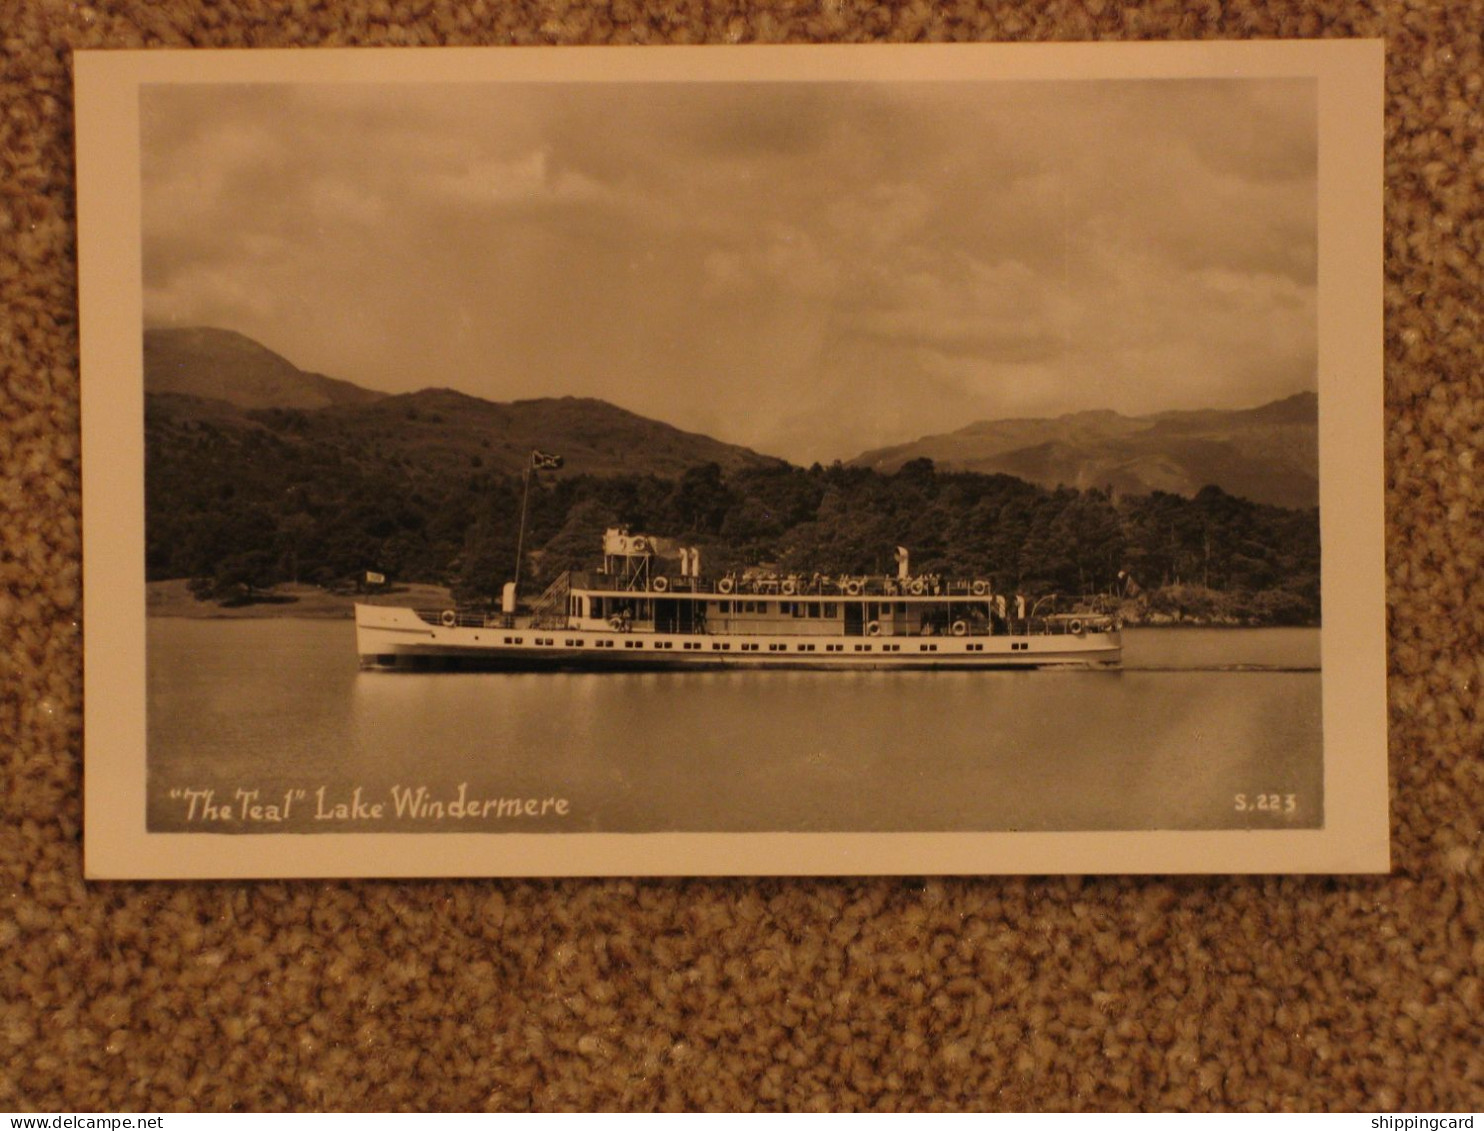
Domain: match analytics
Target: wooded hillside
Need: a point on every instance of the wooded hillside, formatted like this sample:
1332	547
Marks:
245	501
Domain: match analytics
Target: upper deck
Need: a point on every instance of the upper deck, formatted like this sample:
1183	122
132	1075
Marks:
839	587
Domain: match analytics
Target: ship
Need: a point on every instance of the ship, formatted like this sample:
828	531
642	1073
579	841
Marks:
650	606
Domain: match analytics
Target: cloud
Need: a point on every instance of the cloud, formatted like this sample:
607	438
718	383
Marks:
809	269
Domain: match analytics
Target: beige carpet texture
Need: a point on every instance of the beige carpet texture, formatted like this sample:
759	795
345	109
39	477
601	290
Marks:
1144	993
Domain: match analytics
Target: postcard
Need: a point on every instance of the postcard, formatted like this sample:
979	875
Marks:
695	461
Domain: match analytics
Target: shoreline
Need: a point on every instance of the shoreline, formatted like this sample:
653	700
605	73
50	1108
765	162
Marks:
305	602
1216	625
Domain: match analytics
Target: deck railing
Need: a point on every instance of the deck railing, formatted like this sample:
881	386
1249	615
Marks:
465	618
1061	625
794	585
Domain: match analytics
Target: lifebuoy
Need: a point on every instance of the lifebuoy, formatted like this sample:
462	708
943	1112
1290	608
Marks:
639	545
449	618
660	584
789	585
981	588
724	585
1074	626
960	628
919	586
874	628
853	587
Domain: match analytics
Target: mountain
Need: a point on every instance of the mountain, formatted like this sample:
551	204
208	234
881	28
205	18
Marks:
208	374
223	365
257	473
440	426
1269	454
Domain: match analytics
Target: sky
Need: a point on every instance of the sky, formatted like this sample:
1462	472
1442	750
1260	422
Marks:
811	270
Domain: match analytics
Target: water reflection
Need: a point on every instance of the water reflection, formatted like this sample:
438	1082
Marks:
281	705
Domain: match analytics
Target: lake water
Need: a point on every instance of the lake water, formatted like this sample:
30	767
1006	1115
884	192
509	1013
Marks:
278	709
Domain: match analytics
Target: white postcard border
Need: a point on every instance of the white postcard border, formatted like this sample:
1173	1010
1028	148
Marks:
1355	837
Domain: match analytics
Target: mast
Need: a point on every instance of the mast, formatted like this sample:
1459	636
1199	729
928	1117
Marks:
520	539
539	461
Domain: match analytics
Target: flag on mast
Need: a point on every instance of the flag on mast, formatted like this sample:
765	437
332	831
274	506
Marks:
545	461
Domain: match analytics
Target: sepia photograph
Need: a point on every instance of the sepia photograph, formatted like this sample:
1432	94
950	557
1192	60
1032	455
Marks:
670	462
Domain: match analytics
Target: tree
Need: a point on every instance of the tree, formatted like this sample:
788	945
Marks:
700	501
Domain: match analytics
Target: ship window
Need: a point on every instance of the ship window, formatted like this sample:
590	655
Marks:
814	610
902	607
831	611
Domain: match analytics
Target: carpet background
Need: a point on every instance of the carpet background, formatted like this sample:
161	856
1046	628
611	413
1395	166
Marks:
838	993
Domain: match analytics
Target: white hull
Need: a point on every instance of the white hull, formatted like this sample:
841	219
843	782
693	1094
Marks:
398	638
